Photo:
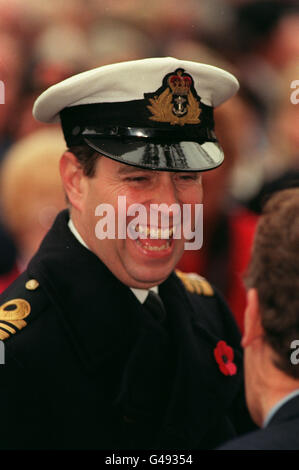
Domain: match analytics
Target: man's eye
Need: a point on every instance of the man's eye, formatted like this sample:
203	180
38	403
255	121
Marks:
137	178
188	177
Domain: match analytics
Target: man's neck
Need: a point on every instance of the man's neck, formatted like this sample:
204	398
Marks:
266	385
141	294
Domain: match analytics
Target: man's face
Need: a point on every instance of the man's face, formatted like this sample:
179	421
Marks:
137	263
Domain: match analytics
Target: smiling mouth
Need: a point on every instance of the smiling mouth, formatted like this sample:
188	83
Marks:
155	239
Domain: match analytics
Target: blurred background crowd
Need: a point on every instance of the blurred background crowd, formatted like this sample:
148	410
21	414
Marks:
41	43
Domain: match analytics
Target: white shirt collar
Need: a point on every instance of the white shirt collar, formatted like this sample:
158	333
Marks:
141	294
76	233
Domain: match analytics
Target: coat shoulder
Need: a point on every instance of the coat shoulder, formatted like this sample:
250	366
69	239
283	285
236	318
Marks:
283	436
21	303
211	310
195	283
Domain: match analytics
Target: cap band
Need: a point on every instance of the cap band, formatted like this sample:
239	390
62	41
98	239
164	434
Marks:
79	121
150	133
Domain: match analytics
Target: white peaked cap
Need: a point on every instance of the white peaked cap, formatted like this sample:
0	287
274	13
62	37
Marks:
147	104
129	81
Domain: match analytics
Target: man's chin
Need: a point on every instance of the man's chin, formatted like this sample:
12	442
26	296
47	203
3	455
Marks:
146	278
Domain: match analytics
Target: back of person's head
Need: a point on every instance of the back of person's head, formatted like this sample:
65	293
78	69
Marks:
31	192
274	272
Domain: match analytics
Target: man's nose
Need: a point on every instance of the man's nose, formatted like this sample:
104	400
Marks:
165	190
165	197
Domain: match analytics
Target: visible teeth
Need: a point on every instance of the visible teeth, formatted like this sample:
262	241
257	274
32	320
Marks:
175	230
166	233
154	232
143	229
155	248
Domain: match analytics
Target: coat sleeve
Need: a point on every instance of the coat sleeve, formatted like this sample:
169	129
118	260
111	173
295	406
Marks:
21	413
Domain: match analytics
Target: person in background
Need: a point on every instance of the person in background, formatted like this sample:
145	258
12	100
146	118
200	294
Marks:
8	253
31	192
280	160
271	337
11	75
48	63
111	41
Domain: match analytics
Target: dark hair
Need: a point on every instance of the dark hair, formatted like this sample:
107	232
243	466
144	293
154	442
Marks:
274	272
87	157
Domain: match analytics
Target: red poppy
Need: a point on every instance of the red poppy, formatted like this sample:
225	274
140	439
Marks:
224	356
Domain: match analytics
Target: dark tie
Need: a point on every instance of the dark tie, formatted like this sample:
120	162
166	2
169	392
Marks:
154	305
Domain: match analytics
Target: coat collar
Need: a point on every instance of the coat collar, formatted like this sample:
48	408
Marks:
284	410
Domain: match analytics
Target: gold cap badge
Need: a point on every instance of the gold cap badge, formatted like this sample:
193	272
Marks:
176	102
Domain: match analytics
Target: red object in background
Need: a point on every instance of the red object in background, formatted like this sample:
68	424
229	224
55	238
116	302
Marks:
241	229
47	74
224	356
8	278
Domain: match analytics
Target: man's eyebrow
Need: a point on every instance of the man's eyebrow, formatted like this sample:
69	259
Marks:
127	169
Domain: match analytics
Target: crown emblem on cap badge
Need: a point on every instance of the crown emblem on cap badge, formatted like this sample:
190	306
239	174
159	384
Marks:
177	102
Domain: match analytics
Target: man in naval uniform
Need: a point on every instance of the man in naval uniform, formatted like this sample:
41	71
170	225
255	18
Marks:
106	347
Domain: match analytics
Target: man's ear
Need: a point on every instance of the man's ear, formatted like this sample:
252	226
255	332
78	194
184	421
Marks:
252	325
72	177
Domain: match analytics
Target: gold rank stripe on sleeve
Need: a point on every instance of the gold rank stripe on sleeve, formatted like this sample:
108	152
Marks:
5	333
12	314
195	283
8	326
